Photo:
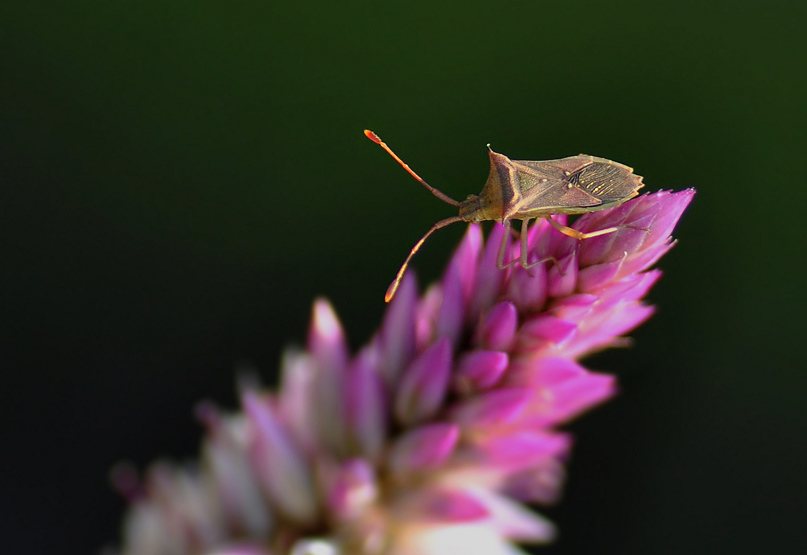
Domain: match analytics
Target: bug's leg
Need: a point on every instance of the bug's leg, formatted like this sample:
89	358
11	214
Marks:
503	247
579	235
524	246
439	225
551	259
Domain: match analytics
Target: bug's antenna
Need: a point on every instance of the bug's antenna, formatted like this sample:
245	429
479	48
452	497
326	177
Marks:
439	194
394	285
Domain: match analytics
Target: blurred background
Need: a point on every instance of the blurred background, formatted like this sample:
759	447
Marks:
179	180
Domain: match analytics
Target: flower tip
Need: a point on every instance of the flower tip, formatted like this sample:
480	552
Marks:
126	481
325	322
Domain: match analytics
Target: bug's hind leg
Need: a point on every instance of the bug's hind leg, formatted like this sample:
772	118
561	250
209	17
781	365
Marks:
579	235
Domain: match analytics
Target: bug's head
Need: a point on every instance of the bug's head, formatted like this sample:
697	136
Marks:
471	209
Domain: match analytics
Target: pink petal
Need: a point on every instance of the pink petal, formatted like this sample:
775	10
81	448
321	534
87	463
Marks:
479	370
495	408
569	398
527	289
544	329
397	335
237	487
523	448
538	484
498	327
280	467
328	348
489	278
467	257
451	315
352	490
426	316
514	521
424	384
562	277
574	307
442	506
630	288
594	277
297	392
424	448
326	340
366	407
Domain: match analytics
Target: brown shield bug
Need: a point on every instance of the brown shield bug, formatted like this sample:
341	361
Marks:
531	189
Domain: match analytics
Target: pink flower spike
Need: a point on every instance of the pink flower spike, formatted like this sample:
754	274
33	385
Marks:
479	370
424	384
280	468
430	439
424	448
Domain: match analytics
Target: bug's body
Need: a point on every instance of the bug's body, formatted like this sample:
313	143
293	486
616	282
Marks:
530	189
525	189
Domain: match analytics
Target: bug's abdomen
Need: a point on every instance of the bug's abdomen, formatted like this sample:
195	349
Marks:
605	181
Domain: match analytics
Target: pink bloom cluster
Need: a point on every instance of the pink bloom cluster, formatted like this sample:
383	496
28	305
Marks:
434	436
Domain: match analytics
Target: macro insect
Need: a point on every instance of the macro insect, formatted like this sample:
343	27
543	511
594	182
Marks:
532	189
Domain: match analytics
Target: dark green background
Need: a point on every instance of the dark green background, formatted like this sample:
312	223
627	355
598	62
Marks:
178	181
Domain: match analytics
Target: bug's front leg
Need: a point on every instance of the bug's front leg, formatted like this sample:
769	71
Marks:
522	256
503	246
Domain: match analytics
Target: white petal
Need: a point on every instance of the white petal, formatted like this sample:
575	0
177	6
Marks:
466	539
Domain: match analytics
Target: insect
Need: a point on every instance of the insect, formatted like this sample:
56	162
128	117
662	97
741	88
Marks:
532	189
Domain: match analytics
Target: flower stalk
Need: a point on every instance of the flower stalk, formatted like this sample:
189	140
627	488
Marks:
435	436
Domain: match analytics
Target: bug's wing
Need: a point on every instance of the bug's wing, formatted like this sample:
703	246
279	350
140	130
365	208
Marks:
560	166
606	181
573	184
544	184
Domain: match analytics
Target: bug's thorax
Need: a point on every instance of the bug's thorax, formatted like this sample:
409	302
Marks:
497	195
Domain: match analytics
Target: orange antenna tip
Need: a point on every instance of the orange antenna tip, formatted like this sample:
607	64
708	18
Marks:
372	136
393	287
